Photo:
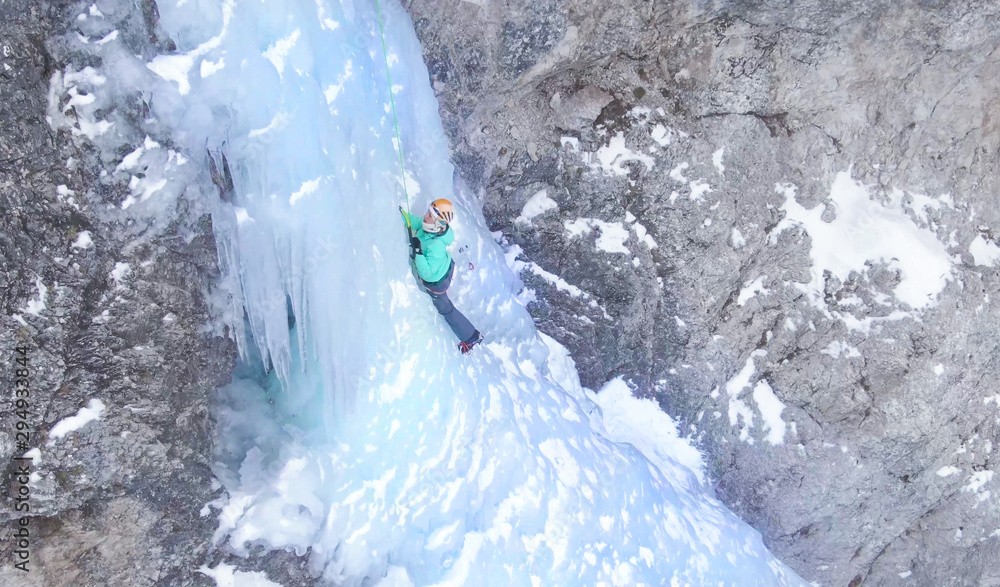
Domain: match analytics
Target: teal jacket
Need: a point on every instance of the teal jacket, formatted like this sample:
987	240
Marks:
433	265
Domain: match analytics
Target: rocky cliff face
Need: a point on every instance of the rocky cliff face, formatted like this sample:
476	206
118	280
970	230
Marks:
111	316
780	220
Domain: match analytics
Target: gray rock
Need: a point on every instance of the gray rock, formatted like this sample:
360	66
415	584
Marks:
555	101
900	94
580	110
117	501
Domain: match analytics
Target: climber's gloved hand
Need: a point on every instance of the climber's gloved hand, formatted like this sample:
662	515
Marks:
415	248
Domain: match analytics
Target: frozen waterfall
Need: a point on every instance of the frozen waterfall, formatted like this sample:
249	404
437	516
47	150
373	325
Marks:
354	431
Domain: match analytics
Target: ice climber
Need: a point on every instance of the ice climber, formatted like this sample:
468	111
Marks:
429	240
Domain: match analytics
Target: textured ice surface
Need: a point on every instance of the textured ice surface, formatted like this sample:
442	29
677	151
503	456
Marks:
371	444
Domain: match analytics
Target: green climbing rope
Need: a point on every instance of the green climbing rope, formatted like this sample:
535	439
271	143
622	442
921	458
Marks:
395	121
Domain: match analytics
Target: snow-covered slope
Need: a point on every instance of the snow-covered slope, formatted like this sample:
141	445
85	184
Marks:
371	443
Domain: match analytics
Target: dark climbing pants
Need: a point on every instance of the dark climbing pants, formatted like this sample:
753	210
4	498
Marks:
438	291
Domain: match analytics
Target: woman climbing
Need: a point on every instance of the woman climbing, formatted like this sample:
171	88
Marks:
429	239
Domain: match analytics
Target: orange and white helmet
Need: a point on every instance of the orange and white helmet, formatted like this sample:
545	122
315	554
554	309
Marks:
442	210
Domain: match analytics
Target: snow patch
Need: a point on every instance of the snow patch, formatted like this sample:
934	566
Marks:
977	481
227	576
142	189
837	348
865	231
108	38
770	412
642	423
35	455
643	234
92	412
751	289
36	306
717	161
560	284
641	114
677	173
984	252
919	204
736	239
662	135
83	240
120	273
612	157
612	238
571	141
698	189
738	409
536	205
131	160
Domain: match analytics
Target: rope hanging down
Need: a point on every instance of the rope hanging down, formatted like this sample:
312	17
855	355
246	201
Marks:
395	121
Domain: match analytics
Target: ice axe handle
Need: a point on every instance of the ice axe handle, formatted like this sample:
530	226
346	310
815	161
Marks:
406	220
